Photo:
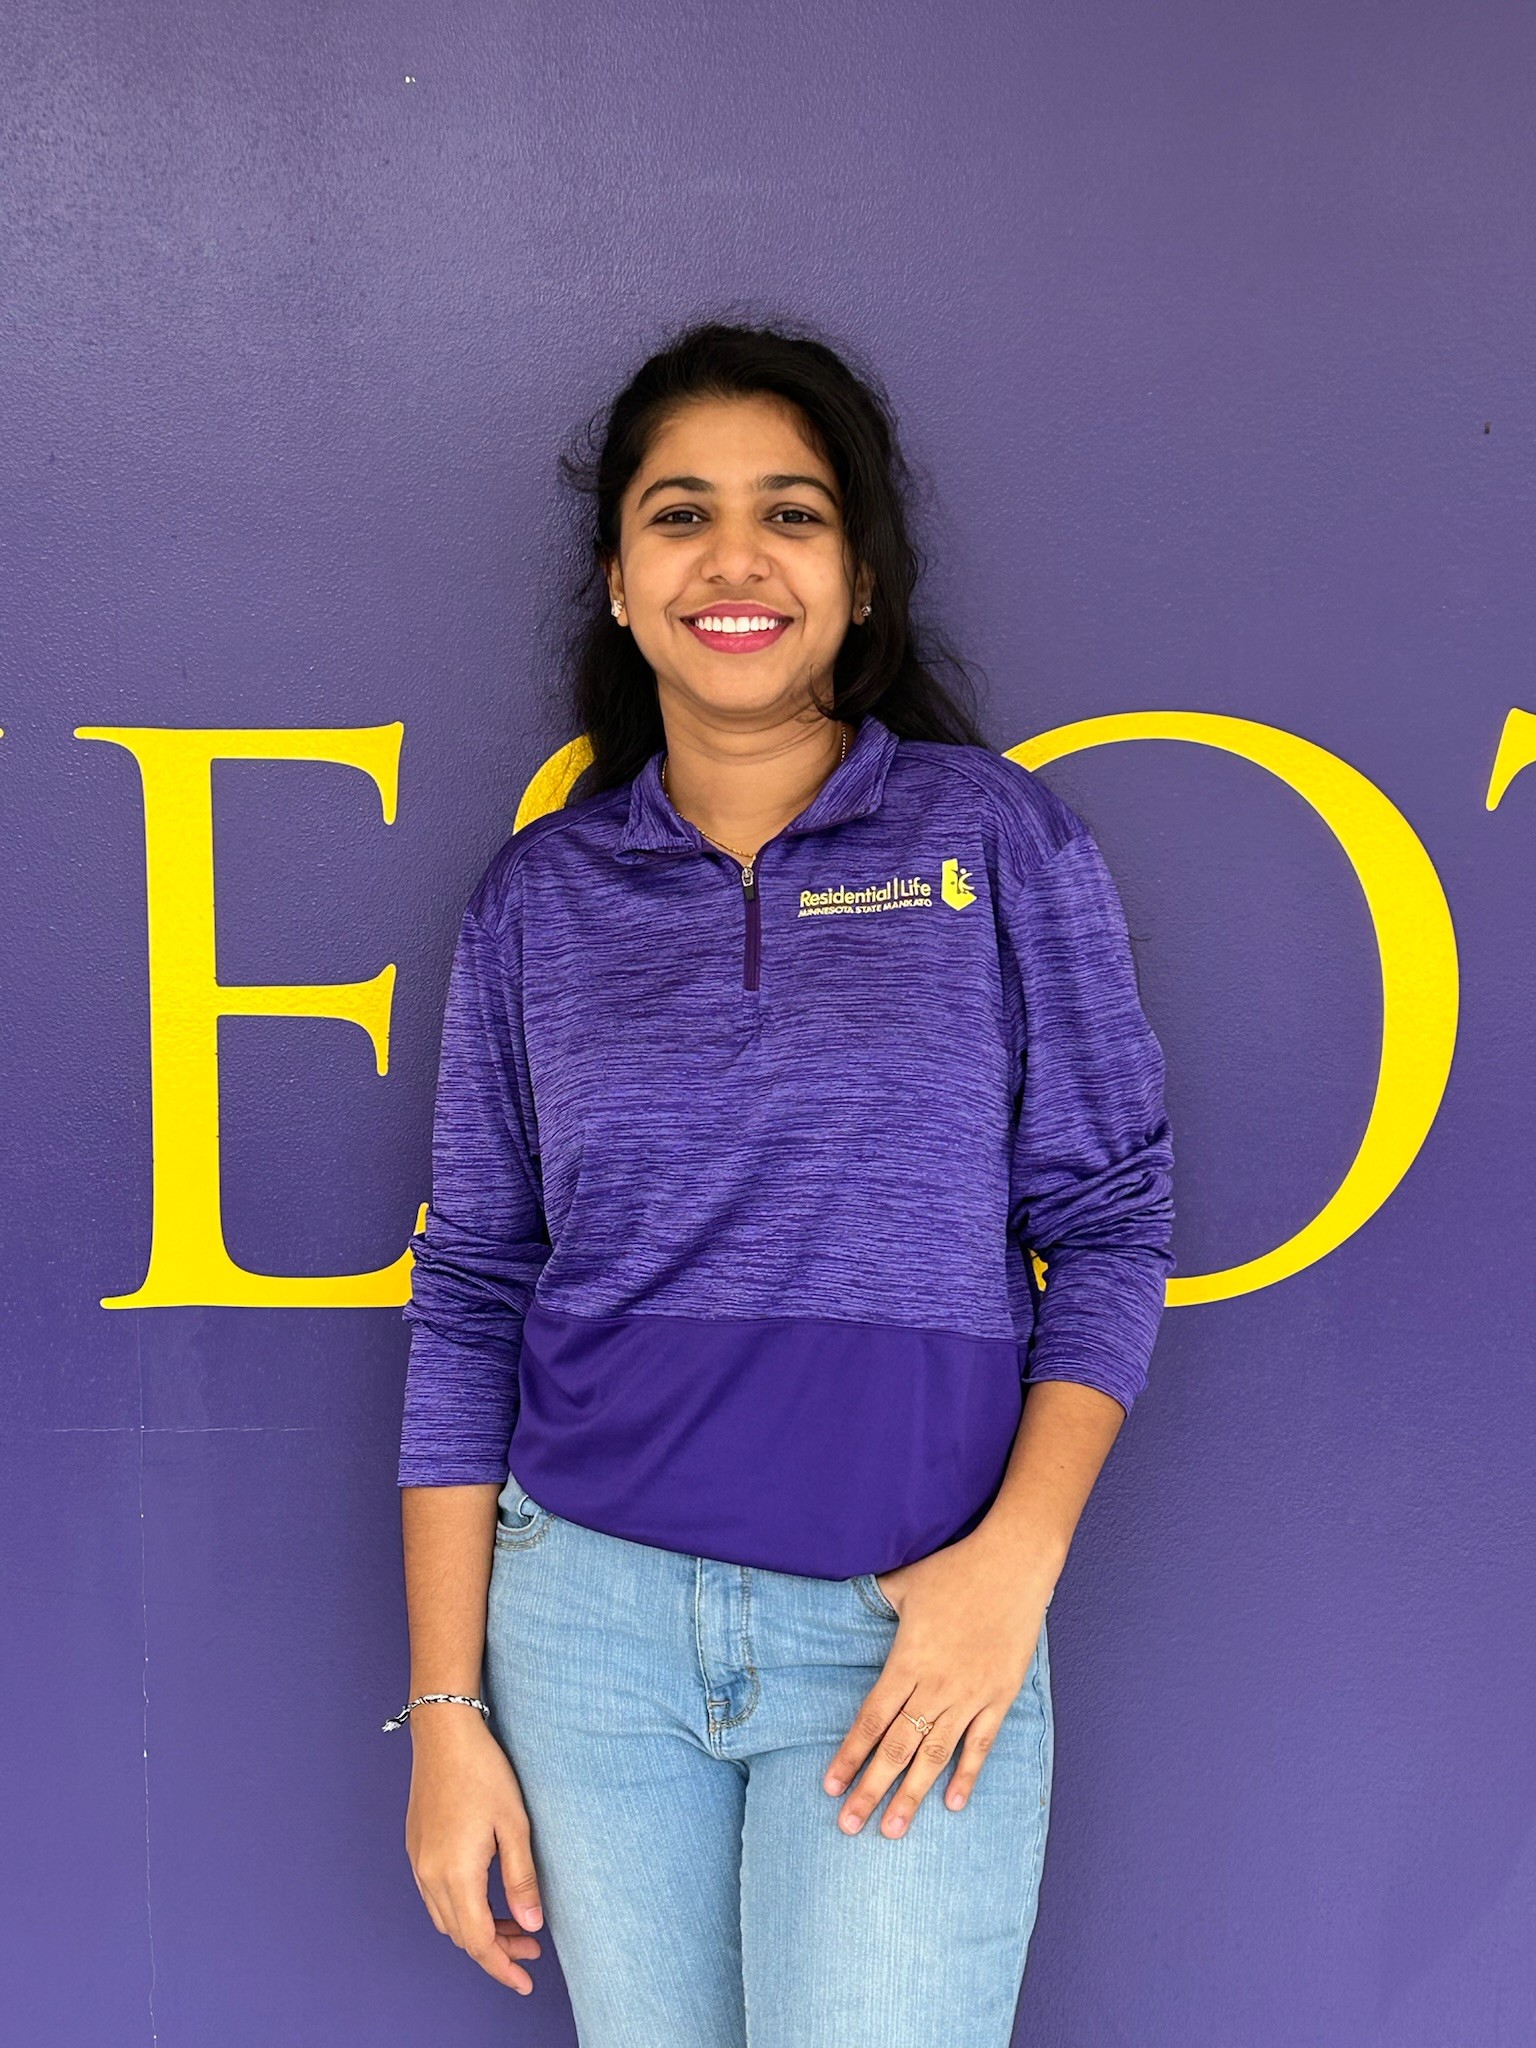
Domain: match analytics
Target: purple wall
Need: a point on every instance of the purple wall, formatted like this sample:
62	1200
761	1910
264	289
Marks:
1212	326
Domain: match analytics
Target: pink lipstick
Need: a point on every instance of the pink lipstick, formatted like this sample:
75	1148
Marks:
737	628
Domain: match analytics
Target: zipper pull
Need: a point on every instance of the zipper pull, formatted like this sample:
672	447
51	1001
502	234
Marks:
747	882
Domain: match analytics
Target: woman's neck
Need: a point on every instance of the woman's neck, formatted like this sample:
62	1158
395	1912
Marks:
740	788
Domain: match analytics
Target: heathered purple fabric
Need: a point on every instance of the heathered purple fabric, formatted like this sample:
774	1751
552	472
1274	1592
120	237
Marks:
741	1270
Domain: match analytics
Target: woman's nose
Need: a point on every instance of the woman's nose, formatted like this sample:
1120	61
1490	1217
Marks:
735	552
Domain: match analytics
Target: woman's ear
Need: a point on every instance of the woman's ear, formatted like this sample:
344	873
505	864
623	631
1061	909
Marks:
615	583
863	595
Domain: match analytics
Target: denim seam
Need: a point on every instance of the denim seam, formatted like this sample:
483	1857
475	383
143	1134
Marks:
735	1720
1045	1722
1029	1913
711	1725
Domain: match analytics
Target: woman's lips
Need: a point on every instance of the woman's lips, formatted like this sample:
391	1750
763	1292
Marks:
735	631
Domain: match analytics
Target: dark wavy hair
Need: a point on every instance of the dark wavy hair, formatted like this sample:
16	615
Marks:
917	686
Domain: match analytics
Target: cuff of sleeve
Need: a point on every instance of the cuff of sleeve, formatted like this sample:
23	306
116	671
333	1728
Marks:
422	1469
460	1407
1097	1320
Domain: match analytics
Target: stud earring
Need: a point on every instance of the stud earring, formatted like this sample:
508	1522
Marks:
617	607
864	611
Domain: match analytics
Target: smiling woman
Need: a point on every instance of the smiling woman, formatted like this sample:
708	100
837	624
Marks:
728	1268
750	557
743	438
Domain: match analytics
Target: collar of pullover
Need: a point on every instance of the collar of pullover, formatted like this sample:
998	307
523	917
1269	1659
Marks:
852	790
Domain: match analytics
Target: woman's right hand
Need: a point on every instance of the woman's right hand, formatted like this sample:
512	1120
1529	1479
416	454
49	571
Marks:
466	1808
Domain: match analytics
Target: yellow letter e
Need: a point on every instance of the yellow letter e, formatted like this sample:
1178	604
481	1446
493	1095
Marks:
188	1262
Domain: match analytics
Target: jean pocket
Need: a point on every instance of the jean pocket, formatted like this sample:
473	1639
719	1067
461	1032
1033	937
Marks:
520	1521
868	1589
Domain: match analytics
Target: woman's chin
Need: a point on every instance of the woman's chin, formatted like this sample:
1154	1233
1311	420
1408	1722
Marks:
731	685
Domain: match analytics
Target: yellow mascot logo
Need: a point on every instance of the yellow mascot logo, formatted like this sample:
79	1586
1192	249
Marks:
955	887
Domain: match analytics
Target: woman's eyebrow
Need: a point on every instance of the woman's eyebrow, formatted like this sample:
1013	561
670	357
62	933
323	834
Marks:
789	483
672	483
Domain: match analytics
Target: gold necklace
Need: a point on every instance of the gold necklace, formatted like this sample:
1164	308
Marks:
747	859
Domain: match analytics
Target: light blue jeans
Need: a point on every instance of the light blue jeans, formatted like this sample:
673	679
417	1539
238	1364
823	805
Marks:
670	1719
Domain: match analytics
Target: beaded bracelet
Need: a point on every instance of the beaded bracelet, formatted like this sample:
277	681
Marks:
433	1699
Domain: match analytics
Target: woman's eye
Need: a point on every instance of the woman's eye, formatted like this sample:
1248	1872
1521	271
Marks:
796	515
679	515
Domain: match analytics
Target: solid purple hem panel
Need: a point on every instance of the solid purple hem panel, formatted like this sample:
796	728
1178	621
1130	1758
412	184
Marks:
668	1430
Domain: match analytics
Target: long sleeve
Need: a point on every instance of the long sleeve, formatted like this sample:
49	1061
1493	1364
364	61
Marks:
485	1240
1091	1169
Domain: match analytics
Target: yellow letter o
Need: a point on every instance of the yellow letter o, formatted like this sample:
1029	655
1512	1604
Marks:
1416	948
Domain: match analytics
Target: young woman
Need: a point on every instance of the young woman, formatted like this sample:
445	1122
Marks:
799	1227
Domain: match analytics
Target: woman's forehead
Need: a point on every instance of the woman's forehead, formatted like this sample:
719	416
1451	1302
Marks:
731	439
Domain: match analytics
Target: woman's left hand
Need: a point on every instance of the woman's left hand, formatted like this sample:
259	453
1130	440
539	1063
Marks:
969	1617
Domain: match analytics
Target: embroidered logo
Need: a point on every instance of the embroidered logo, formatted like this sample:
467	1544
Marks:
898	892
956	887
901	892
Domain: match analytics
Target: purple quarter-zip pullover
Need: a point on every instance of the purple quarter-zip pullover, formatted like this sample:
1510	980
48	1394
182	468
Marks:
736	1173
